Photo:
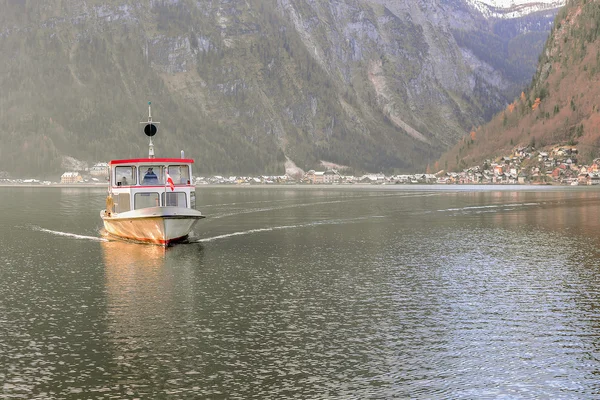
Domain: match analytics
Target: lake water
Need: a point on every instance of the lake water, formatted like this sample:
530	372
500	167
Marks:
306	292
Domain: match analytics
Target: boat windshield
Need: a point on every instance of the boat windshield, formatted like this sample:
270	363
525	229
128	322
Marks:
174	199
152	175
180	174
145	200
125	176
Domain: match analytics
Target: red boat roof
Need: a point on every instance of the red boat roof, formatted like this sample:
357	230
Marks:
153	161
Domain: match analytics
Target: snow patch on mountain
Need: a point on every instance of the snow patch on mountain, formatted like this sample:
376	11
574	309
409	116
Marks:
508	9
512	3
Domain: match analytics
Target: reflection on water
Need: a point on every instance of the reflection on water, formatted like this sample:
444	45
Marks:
134	272
147	294
326	293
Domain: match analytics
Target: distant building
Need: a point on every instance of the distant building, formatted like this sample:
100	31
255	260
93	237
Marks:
313	176
593	179
370	178
71	177
99	170
331	176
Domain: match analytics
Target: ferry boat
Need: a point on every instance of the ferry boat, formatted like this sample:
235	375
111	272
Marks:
151	199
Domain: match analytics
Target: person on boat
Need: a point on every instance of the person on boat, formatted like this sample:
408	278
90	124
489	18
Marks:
124	181
150	177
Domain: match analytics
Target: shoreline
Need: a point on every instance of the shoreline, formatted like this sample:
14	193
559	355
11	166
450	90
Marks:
432	186
57	185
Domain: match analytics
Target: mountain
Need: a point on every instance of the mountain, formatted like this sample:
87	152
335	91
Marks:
559	107
247	87
501	45
506	4
509	9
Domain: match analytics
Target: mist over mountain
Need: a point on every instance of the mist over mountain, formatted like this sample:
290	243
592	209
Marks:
376	85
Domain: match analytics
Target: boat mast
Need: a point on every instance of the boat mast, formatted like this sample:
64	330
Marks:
150	130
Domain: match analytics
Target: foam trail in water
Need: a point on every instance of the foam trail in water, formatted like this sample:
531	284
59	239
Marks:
276	208
470	208
71	235
243	202
415	194
275	228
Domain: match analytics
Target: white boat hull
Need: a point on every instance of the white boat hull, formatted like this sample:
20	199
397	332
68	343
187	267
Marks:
159	225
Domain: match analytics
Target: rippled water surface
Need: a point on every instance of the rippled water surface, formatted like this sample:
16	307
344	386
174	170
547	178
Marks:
303	292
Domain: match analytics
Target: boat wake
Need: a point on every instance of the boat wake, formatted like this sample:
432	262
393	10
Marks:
354	198
241	203
276	228
510	206
68	234
312	204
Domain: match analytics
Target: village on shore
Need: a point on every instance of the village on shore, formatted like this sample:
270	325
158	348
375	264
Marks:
526	166
557	166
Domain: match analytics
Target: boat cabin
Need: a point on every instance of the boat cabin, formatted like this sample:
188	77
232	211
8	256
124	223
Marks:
142	183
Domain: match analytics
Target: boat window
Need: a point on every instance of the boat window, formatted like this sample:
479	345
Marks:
122	202
152	174
180	174
145	200
174	199
125	176
193	199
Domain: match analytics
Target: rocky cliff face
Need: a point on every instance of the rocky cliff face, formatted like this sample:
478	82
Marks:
372	84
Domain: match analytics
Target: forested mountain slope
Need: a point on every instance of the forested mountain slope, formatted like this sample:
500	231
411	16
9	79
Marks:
243	86
561	106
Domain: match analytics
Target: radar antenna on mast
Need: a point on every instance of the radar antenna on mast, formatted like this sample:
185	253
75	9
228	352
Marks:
150	130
